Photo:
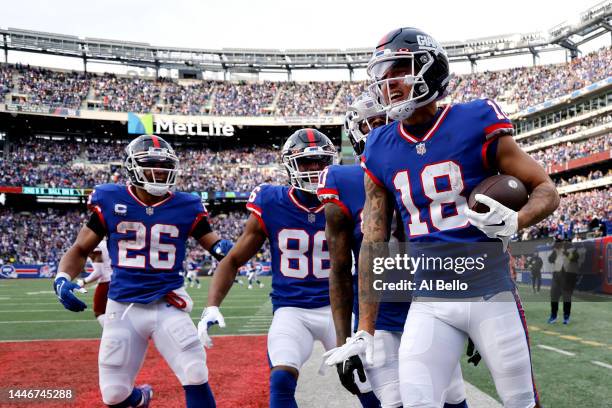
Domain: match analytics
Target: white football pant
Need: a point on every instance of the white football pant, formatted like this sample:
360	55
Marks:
125	338
293	332
434	340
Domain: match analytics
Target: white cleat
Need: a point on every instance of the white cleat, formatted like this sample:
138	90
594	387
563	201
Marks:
250	287
261	285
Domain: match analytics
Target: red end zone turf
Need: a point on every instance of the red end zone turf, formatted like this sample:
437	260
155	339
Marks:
238	368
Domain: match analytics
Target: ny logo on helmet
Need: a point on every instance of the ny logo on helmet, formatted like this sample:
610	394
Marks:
426	42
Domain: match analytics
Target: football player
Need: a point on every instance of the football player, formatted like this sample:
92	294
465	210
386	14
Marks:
342	191
253	273
292	219
147	226
192	273
102	271
428	161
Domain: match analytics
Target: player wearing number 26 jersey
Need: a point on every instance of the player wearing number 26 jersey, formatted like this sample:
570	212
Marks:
146	226
291	218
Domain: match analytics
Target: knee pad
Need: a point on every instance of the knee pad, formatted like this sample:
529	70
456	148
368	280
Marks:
115	394
196	373
282	382
417	390
389	395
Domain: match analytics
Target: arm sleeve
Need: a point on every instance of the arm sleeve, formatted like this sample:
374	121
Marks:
200	226
96	222
495	124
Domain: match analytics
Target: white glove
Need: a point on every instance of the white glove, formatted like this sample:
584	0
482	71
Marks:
81	282
500	222
362	343
211	315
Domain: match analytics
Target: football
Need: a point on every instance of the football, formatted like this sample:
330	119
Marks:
505	189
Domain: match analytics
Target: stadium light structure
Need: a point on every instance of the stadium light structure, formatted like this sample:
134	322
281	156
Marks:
592	23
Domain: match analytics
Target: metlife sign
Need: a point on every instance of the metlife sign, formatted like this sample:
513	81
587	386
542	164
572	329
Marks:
146	124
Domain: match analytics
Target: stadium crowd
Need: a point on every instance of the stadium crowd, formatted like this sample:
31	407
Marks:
578	213
561	153
521	87
566	130
592	175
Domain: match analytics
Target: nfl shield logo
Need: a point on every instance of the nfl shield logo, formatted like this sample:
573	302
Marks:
420	148
149	210
312	218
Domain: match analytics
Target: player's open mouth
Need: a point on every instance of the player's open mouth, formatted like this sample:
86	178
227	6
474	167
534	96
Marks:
396	96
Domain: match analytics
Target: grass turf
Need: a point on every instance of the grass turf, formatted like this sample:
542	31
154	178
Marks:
29	310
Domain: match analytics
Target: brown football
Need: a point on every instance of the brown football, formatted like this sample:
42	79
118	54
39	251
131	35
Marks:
505	189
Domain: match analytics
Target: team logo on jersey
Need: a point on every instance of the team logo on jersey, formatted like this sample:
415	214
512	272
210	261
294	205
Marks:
312	217
120	209
421	149
149	211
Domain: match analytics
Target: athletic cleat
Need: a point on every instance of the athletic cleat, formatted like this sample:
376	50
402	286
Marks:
552	320
566	320
250	287
147	395
198	286
261	285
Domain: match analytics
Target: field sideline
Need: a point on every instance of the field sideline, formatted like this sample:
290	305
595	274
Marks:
572	364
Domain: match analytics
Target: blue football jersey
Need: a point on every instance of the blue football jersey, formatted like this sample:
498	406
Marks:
146	244
300	258
431	178
343	185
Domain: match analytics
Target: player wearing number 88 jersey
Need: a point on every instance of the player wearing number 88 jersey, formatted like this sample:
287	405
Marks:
147	226
292	219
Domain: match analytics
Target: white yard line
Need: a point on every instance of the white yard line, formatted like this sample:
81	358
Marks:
556	350
604	365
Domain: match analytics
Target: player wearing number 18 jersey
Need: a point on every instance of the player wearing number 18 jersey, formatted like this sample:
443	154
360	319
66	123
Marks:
429	161
342	191
293	221
147	226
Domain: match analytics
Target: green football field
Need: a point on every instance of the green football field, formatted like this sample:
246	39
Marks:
572	364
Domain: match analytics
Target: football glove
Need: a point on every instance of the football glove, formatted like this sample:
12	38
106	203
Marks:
211	315
361	344
221	248
64	289
474	355
499	222
348	370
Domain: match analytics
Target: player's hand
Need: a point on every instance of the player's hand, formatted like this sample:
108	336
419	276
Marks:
474	355
499	222
64	289
211	315
222	247
81	282
352	376
361	344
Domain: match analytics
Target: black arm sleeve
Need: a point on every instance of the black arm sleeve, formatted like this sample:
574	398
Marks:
95	224
202	228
